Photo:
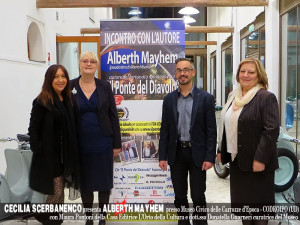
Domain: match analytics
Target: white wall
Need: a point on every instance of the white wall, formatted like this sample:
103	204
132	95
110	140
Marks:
21	79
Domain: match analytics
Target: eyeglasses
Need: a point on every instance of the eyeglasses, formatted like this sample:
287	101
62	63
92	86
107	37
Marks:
86	61
185	70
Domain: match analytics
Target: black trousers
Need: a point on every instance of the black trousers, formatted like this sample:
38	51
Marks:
183	165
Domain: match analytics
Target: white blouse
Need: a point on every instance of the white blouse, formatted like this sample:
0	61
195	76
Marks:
231	129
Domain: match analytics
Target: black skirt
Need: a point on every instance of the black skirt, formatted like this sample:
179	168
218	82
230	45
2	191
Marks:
253	189
97	171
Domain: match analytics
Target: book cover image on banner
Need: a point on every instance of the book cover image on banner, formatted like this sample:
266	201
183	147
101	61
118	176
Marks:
138	59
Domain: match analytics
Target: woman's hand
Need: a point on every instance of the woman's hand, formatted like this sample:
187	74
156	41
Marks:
116	151
258	166
219	157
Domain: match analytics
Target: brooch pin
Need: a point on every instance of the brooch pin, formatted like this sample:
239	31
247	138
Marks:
74	91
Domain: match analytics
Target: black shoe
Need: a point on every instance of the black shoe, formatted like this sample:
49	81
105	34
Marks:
89	222
184	222
199	222
102	222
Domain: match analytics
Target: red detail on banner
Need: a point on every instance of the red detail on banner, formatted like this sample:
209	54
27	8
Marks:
120	207
151	202
118	99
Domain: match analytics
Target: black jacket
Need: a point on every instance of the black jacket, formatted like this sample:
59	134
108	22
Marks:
41	131
202	128
258	130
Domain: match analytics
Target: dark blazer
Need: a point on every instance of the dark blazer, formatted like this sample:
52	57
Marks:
107	112
202	129
258	130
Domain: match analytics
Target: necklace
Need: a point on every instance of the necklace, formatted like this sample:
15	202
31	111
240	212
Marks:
87	88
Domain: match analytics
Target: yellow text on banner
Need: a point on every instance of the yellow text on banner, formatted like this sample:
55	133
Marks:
140	126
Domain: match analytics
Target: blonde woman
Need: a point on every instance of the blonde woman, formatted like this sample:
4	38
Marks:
99	132
247	136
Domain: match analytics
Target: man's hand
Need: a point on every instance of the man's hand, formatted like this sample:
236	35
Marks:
207	165
163	164
116	151
258	166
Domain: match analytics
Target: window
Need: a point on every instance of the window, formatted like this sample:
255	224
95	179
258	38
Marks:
290	71
253	39
227	69
254	45
213	74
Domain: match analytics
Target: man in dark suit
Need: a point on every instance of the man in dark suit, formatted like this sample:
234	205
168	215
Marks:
188	140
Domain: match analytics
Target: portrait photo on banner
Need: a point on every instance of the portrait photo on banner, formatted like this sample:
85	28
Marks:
129	153
150	150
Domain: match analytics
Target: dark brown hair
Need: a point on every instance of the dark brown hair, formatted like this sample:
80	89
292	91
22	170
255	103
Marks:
185	59
46	95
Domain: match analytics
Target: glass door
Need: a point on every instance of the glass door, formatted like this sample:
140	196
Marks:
213	76
290	72
227	71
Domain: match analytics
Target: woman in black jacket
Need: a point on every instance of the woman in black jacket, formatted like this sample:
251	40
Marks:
53	138
247	136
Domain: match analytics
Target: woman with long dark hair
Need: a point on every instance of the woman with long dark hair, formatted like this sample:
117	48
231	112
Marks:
53	139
